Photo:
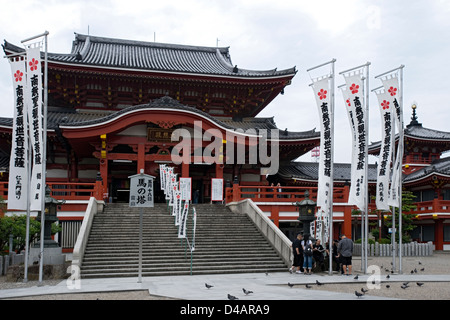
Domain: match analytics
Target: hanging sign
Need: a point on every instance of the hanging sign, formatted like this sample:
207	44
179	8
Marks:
186	189
141	190
216	189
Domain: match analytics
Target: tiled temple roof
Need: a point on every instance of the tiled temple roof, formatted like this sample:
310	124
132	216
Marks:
70	118
139	55
309	171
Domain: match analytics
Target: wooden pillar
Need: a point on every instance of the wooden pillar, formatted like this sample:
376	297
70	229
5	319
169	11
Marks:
141	157
347	226
275	215
104	163
439	234
219	170
185	170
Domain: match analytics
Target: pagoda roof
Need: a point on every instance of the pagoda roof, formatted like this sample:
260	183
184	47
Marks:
415	130
70	118
309	171
110	53
439	167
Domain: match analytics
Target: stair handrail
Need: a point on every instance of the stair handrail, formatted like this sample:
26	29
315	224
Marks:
94	206
271	232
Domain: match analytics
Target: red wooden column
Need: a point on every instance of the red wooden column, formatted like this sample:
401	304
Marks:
219	170
104	163
347	226
439	234
185	170
141	157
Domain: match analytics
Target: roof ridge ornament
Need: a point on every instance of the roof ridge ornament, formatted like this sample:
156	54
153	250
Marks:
414	117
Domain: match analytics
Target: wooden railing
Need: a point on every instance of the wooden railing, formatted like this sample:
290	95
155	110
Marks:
272	194
66	190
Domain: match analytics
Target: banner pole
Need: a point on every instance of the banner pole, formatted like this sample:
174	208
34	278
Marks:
330	237
141	222
400	189
366	222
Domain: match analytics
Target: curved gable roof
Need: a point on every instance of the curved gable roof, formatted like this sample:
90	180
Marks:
94	51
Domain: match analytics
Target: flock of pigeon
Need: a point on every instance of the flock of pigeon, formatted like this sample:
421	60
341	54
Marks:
231	297
404	285
358	294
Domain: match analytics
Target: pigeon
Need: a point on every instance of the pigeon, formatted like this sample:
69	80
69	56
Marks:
420	262
388	276
356	277
230	297
406	283
412	271
373	281
364	290
247	292
208	286
415	270
388	286
267	273
419	284
319	283
423	269
308	286
359	295
404	287
290	284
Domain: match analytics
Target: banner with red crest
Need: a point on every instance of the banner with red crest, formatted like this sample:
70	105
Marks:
18	163
34	104
355	96
386	148
322	93
392	89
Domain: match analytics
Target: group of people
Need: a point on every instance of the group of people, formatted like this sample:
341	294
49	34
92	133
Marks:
306	254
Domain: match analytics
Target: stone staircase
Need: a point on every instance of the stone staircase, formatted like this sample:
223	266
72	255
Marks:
225	243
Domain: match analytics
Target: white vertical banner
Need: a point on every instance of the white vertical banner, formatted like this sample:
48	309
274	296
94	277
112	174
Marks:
194	212
167	179
34	104
183	221
18	163
358	185
177	206
392	89
162	176
173	188
387	142
322	94
352	121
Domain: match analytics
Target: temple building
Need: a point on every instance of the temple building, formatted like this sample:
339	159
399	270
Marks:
114	105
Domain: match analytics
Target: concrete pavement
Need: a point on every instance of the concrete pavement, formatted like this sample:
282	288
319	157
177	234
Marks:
273	286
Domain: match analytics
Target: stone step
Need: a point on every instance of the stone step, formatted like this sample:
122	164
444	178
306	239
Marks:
225	243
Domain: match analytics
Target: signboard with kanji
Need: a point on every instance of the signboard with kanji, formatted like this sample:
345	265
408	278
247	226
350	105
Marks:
141	190
216	189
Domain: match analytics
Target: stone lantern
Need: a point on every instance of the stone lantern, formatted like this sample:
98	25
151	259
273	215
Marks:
51	210
306	209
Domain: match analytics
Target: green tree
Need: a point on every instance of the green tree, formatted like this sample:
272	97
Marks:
407	219
16	225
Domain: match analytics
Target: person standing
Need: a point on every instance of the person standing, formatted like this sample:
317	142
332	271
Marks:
307	255
298	254
345	252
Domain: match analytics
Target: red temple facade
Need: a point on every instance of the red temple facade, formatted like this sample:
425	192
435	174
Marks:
114	105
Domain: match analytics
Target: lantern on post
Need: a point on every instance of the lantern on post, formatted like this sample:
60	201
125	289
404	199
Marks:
306	209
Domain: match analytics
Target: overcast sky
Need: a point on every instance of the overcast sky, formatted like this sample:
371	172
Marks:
265	34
